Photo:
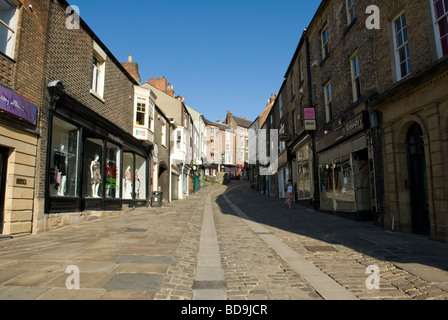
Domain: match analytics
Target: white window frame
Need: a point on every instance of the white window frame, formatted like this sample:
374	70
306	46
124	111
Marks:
403	46
98	72
143	102
328	92
212	130
356	75
212	156
8	48
436	27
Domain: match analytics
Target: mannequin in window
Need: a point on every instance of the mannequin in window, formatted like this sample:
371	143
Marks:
128	183
61	162
137	185
95	175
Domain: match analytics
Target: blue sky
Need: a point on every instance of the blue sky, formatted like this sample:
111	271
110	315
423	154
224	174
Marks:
219	54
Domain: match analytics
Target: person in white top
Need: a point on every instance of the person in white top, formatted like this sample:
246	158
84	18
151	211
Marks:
289	194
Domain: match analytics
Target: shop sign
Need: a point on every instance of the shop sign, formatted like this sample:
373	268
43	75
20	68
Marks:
310	125
309	113
17	107
309	118
358	123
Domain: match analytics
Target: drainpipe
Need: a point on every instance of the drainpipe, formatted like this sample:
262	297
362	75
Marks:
312	133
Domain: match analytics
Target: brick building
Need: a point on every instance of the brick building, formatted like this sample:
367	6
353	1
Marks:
89	162
22	60
377	104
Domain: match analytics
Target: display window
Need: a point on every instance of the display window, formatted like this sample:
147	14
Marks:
93	173
128	168
140	178
304	176
63	177
113	172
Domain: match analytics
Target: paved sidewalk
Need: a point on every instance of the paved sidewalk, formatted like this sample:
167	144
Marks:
149	253
410	266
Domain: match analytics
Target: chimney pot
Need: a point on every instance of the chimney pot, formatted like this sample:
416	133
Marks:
129	58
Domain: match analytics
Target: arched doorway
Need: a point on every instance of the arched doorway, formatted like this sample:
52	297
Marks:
417	177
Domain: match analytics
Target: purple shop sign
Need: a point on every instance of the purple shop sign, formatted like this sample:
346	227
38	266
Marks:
18	107
309	114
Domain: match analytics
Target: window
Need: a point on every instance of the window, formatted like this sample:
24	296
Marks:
213	143
440	15
324	43
212	130
328	106
280	107
300	72
242	142
8	27
140	117
402	59
140	178
93	168
128	169
293	85
151	116
98	71
212	156
113	162
64	161
163	133
355	71
351	14
227	146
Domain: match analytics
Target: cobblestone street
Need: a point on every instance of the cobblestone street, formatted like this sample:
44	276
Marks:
263	251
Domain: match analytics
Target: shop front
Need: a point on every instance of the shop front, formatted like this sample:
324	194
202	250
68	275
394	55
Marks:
346	171
18	147
302	166
92	165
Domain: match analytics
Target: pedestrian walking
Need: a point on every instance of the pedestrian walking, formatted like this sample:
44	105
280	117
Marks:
289	188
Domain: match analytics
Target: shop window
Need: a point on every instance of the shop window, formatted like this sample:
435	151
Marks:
8	27
64	161
128	168
113	171
140	178
93	173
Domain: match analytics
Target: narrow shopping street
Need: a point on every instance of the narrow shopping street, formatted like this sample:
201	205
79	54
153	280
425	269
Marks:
226	243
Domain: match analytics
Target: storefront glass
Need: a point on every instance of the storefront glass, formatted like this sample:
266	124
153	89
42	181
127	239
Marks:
140	178
304	176
128	169
63	159
113	172
93	173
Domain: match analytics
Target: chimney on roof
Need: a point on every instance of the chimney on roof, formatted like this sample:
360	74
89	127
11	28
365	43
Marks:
129	58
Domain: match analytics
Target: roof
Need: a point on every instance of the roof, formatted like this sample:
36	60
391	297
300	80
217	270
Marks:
221	126
242	122
169	105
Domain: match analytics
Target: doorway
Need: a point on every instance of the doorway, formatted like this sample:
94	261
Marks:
4	153
417	177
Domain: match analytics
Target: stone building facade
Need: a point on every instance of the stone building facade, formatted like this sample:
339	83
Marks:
22	61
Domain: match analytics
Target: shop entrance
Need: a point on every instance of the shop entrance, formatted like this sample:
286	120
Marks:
361	181
3	176
417	178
